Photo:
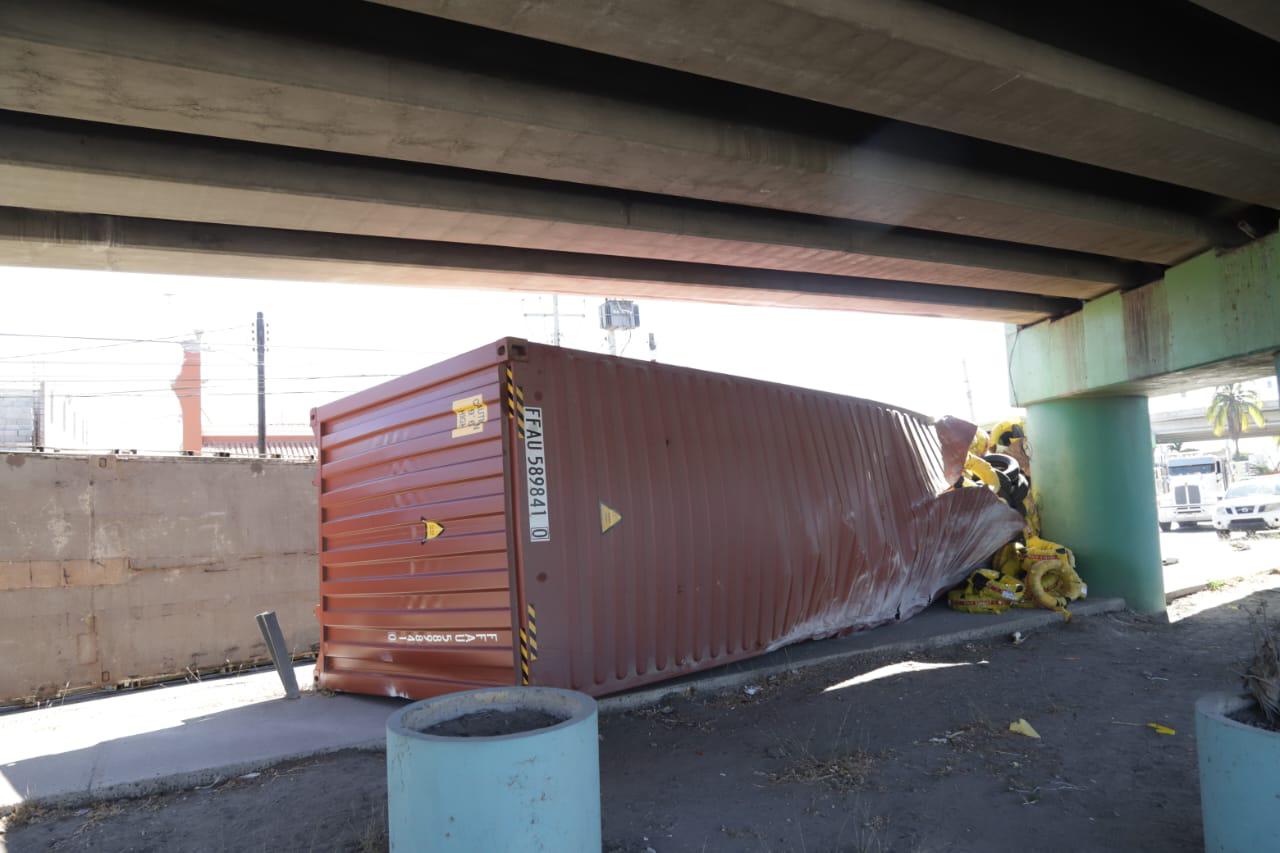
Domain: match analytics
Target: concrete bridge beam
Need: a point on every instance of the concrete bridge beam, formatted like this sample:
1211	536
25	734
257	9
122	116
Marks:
192	70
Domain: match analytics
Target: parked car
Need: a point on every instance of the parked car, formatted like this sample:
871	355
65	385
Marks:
1250	506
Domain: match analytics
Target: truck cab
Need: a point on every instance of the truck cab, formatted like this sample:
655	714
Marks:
1192	488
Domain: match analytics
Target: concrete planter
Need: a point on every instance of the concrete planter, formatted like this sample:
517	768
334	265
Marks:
535	790
1239	778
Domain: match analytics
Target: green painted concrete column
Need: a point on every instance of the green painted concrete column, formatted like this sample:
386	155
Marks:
1092	473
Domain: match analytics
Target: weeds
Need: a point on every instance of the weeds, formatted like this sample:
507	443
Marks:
22	815
850	771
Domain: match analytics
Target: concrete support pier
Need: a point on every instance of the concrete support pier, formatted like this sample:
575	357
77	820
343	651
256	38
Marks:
1093	478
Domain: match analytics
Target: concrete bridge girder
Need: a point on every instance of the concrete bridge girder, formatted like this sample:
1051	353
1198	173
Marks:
919	62
93	168
1192	425
115	64
88	241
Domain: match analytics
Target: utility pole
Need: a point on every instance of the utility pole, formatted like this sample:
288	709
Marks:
262	387
968	389
555	319
37	418
555	316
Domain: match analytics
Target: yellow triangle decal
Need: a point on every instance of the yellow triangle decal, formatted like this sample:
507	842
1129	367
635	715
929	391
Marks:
434	528
609	517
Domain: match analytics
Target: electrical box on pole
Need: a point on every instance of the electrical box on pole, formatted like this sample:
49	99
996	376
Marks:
618	314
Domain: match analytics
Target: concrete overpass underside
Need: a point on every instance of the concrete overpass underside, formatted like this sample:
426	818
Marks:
942	158
1191	425
1105	177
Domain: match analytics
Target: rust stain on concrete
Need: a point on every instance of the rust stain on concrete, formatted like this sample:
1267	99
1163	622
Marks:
1147	333
50	574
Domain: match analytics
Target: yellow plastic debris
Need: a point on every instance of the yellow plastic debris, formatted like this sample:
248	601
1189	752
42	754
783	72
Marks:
986	591
1161	730
1008	560
981	442
1022	727
1007	434
978	469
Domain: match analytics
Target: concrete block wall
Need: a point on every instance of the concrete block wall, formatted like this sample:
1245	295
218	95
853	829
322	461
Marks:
114	569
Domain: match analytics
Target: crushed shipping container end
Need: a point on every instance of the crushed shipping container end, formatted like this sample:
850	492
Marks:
532	514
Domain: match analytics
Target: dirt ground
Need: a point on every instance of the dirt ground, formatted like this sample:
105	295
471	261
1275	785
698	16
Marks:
916	758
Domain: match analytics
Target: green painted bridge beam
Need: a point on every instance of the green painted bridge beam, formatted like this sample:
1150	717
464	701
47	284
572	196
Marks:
1211	319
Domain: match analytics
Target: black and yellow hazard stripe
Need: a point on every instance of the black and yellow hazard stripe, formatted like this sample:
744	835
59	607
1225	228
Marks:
533	633
528	644
515	402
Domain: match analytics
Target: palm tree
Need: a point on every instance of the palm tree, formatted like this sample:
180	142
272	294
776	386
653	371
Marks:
1233	410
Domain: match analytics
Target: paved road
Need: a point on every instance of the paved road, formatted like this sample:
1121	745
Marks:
1202	557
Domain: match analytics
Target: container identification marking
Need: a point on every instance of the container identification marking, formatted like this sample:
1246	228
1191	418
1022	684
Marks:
535	469
471	413
434	638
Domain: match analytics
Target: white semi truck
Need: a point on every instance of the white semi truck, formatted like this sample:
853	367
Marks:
1194	482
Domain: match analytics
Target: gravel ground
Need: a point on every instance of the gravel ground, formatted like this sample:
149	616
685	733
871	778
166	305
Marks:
916	755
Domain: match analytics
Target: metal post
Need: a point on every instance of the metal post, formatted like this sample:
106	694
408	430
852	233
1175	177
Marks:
555	319
262	388
269	625
38	418
968	389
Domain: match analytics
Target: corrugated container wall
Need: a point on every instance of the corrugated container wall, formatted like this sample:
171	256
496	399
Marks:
533	514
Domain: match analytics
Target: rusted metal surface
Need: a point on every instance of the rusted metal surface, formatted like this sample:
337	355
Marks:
680	520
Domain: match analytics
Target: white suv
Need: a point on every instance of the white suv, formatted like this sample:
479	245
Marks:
1250	506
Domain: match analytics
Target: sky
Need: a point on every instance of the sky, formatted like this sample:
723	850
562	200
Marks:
325	341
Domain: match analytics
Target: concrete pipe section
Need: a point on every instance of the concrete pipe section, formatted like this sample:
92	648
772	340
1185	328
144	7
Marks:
1239	776
502	769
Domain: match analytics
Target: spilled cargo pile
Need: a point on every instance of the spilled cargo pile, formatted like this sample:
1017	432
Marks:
1028	571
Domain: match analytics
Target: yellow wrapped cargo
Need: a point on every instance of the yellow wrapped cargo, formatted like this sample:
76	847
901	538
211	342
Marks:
981	443
1038	573
1007	434
978	471
1051	578
987	591
1042	550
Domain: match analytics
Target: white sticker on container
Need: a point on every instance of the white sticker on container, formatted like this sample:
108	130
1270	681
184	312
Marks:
535	470
471	414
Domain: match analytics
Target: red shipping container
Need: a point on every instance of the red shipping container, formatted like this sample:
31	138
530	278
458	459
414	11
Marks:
532	514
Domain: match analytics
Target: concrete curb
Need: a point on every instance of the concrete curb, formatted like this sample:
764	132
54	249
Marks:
1025	621
1170	597
714	683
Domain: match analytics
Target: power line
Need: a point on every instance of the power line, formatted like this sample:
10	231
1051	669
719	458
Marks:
116	342
123	394
327	348
203	379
